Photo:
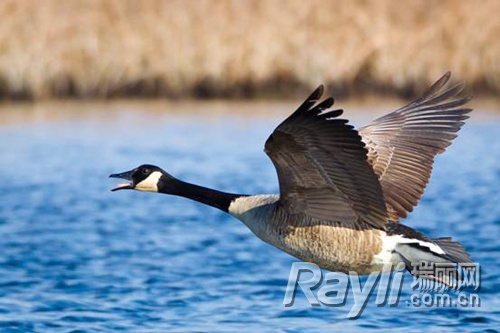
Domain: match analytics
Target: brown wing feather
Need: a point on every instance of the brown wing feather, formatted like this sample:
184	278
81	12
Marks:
322	167
402	145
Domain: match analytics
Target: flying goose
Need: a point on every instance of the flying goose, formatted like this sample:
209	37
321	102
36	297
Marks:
342	191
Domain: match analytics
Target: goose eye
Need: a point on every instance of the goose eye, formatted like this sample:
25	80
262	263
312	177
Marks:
145	171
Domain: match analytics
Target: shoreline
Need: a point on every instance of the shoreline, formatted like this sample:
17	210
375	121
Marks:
106	111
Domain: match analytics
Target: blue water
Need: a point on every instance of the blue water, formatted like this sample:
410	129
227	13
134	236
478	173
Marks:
76	257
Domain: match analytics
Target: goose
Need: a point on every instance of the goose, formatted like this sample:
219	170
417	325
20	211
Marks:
342	191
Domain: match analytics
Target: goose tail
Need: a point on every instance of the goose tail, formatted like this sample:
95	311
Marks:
440	260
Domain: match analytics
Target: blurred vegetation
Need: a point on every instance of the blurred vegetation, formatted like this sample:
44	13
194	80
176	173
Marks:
243	48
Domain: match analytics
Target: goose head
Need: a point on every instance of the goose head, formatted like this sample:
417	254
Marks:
145	177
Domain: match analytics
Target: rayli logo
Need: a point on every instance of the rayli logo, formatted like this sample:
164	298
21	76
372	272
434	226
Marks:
331	289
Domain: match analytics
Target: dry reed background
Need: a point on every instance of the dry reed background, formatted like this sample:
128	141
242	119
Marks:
203	48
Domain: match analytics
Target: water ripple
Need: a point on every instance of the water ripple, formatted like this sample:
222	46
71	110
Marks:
78	258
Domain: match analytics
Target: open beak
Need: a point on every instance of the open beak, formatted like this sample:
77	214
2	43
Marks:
125	185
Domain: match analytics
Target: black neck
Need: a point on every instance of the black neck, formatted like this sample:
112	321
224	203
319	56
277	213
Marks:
207	196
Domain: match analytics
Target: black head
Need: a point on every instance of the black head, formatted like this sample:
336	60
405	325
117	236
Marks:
142	178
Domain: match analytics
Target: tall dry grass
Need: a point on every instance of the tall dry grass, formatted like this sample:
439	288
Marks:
102	48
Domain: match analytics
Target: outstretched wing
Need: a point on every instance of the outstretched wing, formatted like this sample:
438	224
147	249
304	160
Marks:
322	167
402	145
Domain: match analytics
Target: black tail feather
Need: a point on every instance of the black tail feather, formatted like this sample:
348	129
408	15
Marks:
454	251
455	258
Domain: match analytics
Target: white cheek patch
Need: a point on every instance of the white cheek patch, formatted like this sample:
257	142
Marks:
149	184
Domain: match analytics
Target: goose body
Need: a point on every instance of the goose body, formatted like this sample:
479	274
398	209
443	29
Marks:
329	245
342	191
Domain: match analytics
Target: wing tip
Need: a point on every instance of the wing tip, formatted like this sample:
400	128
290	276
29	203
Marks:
440	83
446	76
326	104
457	88
437	94
320	108
317	93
